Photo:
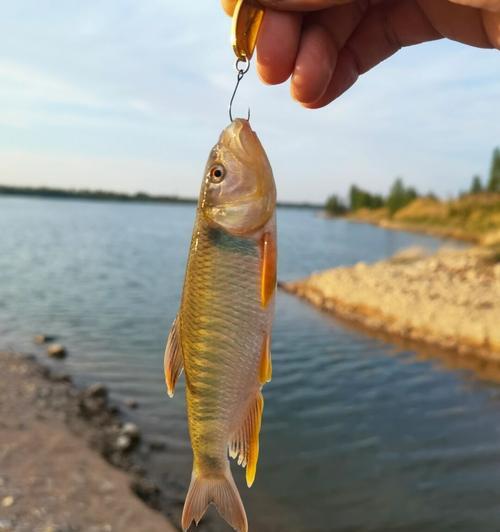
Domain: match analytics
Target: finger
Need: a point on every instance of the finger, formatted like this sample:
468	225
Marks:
344	77
491	23
277	45
228	6
341	21
312	75
489	5
457	22
314	65
303	5
382	32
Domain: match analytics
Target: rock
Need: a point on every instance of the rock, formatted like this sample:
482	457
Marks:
128	437
8	501
94	400
132	431
97	390
6	525
56	351
123	443
43	339
148	491
132	403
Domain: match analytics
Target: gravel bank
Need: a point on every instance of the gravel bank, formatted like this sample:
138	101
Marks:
51	480
450	299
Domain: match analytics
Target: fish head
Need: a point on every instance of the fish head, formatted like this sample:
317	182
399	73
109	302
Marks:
238	192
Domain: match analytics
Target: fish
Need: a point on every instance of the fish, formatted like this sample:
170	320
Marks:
221	335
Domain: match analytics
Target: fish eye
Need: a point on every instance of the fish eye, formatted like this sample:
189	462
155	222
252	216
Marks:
216	173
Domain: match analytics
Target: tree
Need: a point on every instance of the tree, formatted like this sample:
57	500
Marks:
400	196
476	185
494	181
335	206
359	198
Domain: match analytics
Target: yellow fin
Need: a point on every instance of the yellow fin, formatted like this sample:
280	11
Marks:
244	445
172	361
268	268
266	365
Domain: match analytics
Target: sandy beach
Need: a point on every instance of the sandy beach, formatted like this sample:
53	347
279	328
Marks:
52	477
450	300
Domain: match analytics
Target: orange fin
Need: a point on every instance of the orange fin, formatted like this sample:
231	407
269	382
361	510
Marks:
244	445
172	361
268	268
222	492
266	365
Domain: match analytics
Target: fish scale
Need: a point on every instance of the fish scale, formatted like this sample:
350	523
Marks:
220	291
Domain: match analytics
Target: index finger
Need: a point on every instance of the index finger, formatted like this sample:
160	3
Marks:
228	6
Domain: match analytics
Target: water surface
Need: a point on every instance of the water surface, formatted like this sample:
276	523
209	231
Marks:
357	436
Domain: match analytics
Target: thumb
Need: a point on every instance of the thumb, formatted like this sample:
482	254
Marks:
302	5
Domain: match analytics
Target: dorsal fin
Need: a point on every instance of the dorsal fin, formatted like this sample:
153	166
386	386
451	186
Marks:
172	361
244	445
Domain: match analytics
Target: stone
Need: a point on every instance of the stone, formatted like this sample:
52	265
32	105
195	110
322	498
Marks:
131	430
8	501
97	390
148	491
132	403
56	351
43	339
123	443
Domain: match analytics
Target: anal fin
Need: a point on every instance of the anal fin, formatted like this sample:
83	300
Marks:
244	445
172	361
266	365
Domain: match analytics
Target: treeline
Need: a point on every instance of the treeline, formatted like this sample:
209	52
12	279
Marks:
493	183
105	195
401	195
58	193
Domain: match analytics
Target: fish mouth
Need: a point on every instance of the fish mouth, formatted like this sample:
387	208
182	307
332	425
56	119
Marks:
240	139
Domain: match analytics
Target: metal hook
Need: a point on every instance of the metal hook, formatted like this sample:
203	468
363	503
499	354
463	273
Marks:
242	67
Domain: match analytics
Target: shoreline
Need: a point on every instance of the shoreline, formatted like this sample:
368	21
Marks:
449	300
446	233
68	458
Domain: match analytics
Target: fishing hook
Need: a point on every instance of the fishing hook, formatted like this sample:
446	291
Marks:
242	67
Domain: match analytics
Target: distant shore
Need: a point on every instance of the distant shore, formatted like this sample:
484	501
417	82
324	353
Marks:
437	231
472	218
105	195
450	300
51	477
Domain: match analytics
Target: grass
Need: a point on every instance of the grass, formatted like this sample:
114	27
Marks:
472	217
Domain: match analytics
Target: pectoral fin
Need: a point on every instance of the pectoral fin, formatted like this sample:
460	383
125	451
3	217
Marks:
266	365
268	268
172	361
244	445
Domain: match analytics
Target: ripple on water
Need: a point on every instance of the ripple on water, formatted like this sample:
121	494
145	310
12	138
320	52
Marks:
356	437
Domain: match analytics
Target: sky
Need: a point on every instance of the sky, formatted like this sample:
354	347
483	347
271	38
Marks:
131	96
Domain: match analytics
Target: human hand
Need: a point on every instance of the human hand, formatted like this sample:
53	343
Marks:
325	45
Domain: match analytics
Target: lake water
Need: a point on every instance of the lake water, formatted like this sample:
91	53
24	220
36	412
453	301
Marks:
357	435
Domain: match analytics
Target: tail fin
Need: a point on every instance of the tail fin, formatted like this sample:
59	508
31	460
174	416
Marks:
220	491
